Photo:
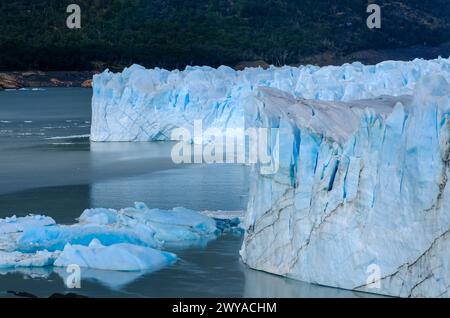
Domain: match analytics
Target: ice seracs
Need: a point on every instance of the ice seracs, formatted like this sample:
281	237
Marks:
361	185
144	105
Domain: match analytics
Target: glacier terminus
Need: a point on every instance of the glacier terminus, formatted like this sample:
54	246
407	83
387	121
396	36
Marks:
364	162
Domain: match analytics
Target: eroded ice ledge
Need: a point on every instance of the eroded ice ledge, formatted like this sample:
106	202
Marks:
361	189
147	104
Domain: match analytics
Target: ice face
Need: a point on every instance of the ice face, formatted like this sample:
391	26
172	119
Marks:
361	194
142	105
106	239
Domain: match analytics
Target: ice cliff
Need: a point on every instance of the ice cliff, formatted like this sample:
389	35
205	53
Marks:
361	199
142	105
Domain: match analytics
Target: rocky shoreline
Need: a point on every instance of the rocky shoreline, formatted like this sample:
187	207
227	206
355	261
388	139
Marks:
37	79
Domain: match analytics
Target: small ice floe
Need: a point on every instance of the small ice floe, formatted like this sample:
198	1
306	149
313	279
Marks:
12	228
29	272
18	259
69	137
5	121
27	121
19	224
121	257
130	239
227	220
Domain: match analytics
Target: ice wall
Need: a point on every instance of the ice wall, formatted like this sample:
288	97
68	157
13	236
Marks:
142	105
361	199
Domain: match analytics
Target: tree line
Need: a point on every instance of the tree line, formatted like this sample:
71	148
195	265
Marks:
176	33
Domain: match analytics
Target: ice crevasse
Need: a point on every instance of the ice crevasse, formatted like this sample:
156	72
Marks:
147	104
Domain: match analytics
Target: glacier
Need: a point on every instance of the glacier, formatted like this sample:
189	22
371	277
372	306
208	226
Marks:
361	190
131	239
147	104
360	198
359	201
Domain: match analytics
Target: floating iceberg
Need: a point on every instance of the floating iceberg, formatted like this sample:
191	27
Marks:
12	228
143	105
18	259
130	239
19	224
54	238
121	257
138	226
361	198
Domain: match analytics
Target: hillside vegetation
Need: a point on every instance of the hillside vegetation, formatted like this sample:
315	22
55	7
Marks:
174	33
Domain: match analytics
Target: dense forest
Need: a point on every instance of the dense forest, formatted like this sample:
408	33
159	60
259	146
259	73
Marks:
174	33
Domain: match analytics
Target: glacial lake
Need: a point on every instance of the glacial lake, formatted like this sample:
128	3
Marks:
48	166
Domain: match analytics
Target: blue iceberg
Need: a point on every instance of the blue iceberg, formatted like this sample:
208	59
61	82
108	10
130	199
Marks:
129	239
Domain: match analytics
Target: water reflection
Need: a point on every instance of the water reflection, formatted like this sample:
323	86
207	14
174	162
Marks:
263	285
114	280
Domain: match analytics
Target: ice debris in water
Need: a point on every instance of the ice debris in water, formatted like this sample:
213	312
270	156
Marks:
129	239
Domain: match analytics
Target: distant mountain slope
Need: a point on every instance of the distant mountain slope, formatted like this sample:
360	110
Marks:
174	33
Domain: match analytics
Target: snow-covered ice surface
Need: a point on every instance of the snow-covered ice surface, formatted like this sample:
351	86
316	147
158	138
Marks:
362	187
130	239
142	105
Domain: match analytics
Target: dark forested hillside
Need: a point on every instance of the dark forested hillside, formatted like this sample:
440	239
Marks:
174	33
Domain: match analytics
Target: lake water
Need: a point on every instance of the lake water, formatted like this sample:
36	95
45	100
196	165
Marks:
48	166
